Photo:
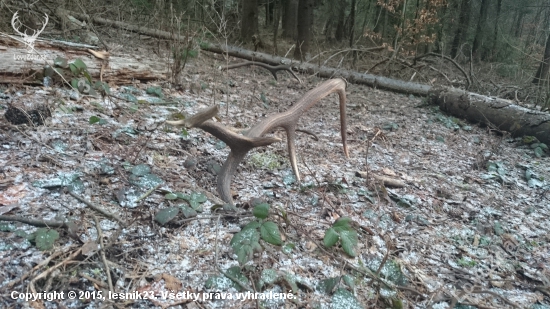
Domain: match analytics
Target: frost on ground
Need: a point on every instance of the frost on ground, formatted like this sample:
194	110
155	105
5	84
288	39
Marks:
470	225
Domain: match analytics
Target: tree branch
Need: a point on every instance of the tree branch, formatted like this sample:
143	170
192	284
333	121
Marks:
468	80
272	69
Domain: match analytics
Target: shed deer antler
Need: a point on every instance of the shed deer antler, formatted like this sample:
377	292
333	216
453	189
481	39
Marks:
241	144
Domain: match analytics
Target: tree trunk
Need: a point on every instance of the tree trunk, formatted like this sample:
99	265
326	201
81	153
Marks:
331	10
269	9
352	23
495	112
462	29
440	27
366	16
305	28
249	20
495	35
518	23
542	72
339	33
536	25
378	25
384	23
290	19
546	25
500	113
276	24
480	26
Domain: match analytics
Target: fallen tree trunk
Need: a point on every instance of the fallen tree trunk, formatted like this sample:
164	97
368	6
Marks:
499	113
17	66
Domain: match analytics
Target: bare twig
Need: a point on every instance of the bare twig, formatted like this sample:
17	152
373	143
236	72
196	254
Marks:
42	264
33	222
93	280
270	68
96	208
146	194
102	254
51	269
468	80
383	261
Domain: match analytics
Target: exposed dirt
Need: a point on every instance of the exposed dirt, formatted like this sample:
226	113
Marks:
467	225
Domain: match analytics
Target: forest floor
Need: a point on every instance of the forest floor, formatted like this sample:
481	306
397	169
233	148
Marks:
471	223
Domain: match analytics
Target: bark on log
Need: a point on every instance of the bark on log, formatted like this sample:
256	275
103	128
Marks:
500	113
15	68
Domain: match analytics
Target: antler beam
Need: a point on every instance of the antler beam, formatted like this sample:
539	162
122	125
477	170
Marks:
241	144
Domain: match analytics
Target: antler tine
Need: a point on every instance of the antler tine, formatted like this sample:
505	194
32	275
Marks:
195	120
289	119
233	140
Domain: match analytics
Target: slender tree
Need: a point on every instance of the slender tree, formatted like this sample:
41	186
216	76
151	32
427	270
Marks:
305	28
495	31
290	18
352	22
269	9
341	8
544	67
518	21
249	20
462	29
480	27
276	21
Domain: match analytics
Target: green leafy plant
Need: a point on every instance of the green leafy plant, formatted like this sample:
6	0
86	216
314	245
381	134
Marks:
343	298
247	241
95	119
343	232
44	238
166	215
540	149
194	199
224	283
77	73
157	91
141	177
